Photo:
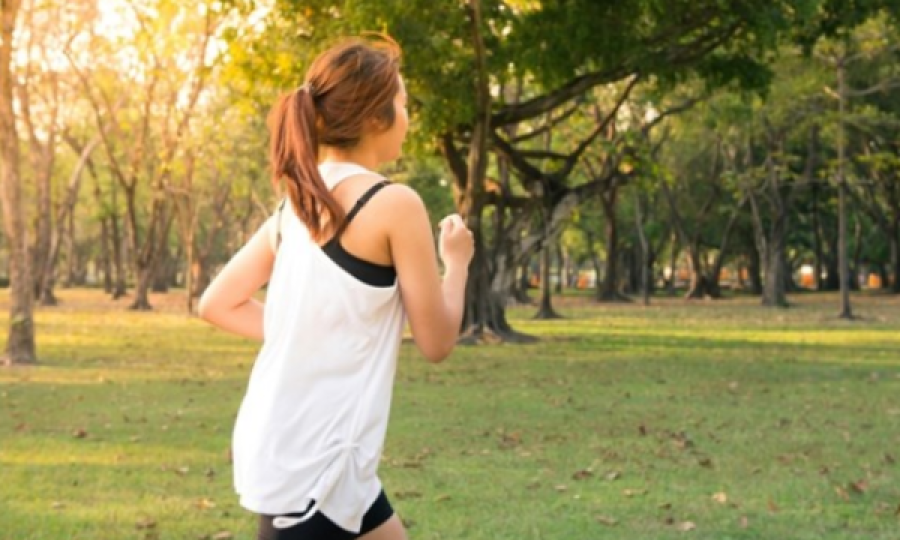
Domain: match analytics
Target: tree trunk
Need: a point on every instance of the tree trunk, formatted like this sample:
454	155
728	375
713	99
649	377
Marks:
774	288
118	245
69	248
65	231
856	268
771	245
41	252
645	257
162	274
522	284
108	230
609	290
200	277
146	256
545	311
118	240
895	256
832	272
105	263
699	286
673	265
192	271
20	345
560	269
485	311
754	272
714	275
142	289
819	257
846	310
774	293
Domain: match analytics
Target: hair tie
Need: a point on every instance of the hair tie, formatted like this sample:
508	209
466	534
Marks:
308	88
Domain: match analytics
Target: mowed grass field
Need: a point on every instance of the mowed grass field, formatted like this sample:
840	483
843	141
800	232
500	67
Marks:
710	420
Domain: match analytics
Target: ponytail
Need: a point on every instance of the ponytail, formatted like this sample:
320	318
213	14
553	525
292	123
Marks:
294	158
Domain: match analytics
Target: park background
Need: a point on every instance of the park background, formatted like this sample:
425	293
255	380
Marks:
681	320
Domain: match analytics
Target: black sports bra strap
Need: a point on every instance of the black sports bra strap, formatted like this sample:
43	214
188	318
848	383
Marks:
278	223
359	204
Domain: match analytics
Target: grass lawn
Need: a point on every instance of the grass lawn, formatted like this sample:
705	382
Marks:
705	421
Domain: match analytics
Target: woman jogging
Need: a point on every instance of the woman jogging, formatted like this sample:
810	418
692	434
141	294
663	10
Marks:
347	258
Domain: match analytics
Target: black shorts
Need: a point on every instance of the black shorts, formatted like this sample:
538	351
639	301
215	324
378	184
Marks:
319	527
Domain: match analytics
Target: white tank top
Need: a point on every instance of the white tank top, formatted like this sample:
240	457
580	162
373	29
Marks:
312	424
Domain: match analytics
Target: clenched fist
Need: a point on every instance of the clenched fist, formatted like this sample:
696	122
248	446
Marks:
455	244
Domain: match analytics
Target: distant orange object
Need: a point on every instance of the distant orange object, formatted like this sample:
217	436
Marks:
874	281
807	281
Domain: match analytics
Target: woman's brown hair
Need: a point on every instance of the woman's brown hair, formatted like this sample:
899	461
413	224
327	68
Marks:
346	88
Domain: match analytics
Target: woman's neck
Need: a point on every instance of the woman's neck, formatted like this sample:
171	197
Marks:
369	160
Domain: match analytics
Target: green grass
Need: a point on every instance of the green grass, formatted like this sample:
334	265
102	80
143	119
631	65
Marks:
621	422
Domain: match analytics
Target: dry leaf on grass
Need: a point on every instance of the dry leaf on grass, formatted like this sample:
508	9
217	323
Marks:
145	523
608	521
582	474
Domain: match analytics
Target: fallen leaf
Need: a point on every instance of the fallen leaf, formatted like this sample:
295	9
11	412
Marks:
744	522
205	504
705	462
442	498
223	535
772	506
57	505
582	474
404	495
842	493
561	488
720	497
665	506
889	459
642	429
181	471
145	523
686	526
510	440
608	521
682	441
633	492
860	486
614	475
79	434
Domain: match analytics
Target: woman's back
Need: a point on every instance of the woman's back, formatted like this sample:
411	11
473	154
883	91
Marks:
312	424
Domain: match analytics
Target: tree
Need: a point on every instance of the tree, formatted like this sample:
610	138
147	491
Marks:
459	54
840	55
20	345
171	75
